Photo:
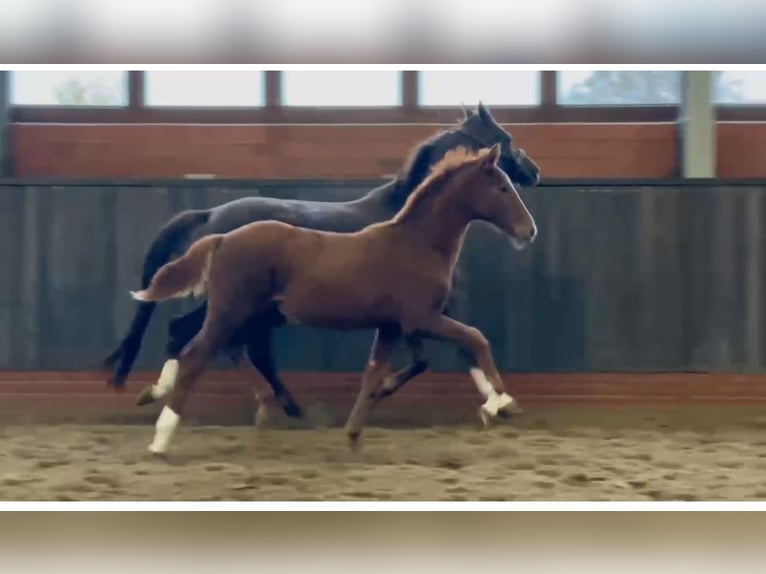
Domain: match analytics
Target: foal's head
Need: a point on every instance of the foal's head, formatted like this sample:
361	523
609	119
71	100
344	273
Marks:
482	190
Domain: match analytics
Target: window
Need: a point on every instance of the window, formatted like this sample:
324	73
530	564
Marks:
106	88
346	89
467	88
739	87
205	89
616	88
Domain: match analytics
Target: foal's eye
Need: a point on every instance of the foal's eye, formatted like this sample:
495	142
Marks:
503	188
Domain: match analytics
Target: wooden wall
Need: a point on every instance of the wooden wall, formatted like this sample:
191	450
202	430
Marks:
321	151
341	151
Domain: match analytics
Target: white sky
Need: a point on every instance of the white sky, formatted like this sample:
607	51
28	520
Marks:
322	88
308	88
39	88
512	88
244	88
753	83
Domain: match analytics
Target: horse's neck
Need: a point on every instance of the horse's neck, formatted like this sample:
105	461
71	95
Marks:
389	197
441	229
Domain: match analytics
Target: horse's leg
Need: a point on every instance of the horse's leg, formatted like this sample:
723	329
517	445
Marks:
419	365
378	365
456	309
181	330
191	363
260	354
394	382
474	341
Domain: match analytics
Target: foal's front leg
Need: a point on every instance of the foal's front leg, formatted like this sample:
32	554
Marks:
474	341
456	308
392	383
386	339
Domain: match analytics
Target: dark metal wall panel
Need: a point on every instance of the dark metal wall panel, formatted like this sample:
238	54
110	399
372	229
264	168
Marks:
622	278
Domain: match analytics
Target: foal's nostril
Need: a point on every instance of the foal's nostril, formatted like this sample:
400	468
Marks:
532	233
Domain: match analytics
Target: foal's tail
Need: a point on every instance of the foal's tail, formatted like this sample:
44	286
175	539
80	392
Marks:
187	274
168	243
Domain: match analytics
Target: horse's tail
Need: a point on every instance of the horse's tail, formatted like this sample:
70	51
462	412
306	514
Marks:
187	274
169	241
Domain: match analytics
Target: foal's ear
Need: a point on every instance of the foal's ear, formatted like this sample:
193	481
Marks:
493	155
466	112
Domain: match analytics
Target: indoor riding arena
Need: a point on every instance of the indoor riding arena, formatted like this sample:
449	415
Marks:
631	332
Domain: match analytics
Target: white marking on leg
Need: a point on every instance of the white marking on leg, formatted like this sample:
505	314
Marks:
494	401
480	379
492	404
505	400
166	425
167	379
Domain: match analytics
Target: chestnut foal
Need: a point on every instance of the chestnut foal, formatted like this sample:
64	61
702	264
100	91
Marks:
348	281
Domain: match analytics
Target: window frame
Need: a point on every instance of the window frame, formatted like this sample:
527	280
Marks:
409	112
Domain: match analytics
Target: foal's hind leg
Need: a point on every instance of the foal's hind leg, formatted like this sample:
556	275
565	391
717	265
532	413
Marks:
192	362
393	383
383	347
181	330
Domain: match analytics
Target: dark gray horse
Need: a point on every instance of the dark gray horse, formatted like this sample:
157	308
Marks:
477	130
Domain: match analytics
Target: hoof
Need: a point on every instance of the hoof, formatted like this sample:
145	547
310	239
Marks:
158	456
116	385
145	398
262	417
485	417
510	408
508	411
353	441
292	409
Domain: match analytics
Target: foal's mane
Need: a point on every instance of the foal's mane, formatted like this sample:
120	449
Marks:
440	174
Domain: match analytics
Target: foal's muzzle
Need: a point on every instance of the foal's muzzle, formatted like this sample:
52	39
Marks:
521	238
